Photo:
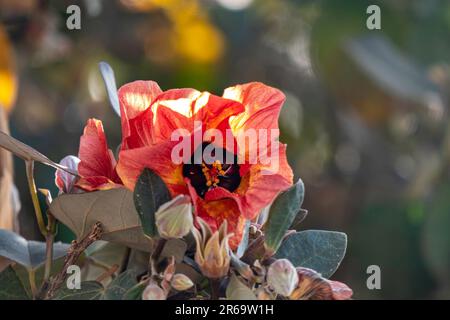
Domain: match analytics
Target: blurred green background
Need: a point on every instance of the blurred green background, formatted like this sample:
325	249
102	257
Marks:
366	117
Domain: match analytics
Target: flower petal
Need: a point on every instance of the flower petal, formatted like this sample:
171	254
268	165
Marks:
262	183
216	212
157	158
135	97
262	106
96	160
64	180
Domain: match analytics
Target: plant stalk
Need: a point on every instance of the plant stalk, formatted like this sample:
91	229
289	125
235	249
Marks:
33	192
154	257
32	280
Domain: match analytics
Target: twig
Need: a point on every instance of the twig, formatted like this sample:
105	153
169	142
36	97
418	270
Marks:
75	250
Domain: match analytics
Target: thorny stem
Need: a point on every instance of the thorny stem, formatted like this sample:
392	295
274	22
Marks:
154	257
32	186
75	250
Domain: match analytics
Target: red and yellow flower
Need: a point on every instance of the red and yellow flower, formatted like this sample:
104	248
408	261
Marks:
219	191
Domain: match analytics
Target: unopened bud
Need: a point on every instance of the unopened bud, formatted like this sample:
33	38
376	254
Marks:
282	277
181	282
153	292
174	218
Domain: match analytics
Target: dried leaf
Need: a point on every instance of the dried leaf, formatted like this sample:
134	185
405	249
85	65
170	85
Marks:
110	84
113	208
27	153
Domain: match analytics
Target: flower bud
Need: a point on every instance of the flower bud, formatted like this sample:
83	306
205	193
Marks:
213	253
153	292
282	277
181	282
64	180
174	218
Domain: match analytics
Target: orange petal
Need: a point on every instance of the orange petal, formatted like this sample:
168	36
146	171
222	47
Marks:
260	186
135	97
157	158
96	183
179	109
262	106
96	160
215	212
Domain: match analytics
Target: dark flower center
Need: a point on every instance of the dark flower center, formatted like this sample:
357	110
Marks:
206	176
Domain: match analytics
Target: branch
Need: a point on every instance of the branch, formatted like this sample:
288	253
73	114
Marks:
75	250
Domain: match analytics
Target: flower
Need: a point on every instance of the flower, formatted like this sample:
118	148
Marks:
311	286
232	192
212	254
174	218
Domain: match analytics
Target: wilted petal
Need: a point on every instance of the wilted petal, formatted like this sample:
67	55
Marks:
311	286
340	290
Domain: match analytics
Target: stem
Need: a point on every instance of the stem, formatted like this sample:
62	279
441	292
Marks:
215	288
49	240
48	255
33	192
154	257
125	260
32	280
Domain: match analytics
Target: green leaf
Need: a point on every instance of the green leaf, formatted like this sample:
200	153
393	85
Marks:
282	213
149	194
301	215
236	290
120	285
30	254
90	290
24	275
93	290
11	287
319	250
135	293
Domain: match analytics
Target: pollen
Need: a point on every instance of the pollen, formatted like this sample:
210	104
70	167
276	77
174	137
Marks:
212	173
